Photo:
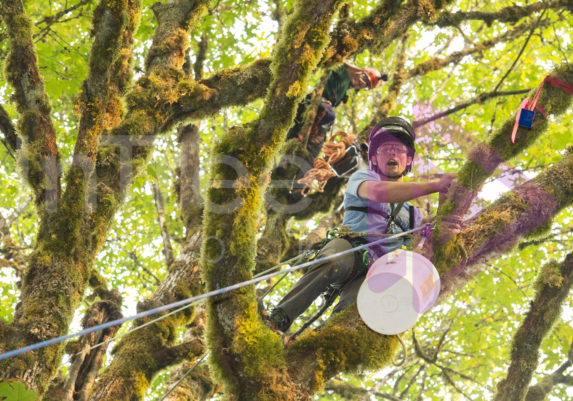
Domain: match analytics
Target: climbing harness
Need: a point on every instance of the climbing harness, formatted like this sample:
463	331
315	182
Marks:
526	112
340	159
332	293
190	301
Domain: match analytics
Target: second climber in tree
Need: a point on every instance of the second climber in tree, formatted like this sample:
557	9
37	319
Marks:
337	84
376	201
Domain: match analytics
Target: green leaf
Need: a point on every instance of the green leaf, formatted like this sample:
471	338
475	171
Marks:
16	391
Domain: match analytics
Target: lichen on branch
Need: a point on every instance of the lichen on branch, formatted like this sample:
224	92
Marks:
511	14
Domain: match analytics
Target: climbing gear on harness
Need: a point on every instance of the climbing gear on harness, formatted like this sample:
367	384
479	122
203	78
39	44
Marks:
526	112
323	166
425	233
190	301
388	129
391	218
279	319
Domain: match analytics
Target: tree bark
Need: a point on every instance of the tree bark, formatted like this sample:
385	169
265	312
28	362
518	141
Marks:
245	355
40	161
552	287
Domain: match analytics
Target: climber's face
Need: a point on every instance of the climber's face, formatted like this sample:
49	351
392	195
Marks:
359	80
392	158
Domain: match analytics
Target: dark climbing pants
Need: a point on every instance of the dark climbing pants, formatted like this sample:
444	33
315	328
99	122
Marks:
335	272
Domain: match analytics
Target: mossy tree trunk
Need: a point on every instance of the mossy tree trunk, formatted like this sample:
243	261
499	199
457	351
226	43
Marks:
245	355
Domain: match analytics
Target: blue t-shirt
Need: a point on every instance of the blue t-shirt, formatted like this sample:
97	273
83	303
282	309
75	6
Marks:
374	223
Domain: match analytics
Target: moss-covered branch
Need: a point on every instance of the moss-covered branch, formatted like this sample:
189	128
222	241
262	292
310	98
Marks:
84	367
140	356
63	260
526	211
483	159
39	156
112	22
346	344
246	357
10	139
197	385
510	14
437	63
552	287
541	390
389	20
234	86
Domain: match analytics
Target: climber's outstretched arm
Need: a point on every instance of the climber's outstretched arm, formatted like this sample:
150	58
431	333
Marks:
397	192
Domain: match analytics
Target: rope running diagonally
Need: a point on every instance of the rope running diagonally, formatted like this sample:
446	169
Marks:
295	259
184	376
188	301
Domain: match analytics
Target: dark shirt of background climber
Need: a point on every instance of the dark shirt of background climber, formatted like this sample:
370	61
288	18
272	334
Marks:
338	83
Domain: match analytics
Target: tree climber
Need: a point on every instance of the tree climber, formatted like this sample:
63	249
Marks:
376	201
338	83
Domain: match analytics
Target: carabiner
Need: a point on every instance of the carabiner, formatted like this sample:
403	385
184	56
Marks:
329	230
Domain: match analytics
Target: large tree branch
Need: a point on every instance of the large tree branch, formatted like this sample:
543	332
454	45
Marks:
389	20
48	279
437	63
552	286
510	14
235	331
484	158
115	23
39	157
528	209
138	355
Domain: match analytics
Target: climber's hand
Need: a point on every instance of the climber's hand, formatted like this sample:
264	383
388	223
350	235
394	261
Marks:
445	182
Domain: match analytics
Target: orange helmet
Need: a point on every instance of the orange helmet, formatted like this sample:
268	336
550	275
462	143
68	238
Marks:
374	76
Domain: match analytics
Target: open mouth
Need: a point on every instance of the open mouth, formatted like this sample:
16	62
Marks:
392	162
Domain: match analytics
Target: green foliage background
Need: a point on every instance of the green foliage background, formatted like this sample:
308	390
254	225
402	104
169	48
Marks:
481	319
